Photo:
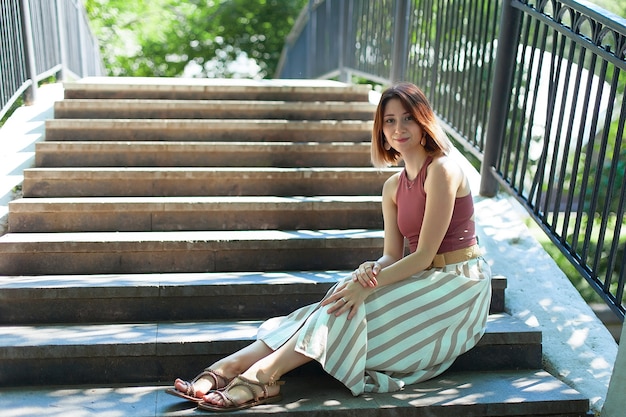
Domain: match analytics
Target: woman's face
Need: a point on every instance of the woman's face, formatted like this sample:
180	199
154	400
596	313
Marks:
401	131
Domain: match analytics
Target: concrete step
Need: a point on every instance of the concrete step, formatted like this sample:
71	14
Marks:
161	351
85	214
135	298
201	154
510	393
201	130
211	109
229	181
214	89
188	251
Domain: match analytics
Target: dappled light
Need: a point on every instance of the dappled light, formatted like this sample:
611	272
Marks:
94	335
447	390
205	332
80	402
316	393
169	279
577	348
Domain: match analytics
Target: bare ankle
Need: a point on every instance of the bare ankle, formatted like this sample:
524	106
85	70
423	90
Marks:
266	377
229	369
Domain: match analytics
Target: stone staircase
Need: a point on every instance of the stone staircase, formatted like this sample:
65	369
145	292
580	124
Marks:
166	218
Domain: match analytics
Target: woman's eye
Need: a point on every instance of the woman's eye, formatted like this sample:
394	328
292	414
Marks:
389	120
408	118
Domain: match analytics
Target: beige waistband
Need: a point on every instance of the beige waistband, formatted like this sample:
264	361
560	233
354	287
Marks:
455	256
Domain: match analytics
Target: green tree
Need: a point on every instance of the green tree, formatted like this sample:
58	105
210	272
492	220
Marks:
220	38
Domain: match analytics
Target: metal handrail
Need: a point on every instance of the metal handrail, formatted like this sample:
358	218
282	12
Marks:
534	89
39	39
562	152
387	41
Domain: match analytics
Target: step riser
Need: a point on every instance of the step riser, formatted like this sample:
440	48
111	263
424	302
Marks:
210	110
69	154
149	309
97	305
166	350
64	183
206	130
170	363
217	93
154	257
69	218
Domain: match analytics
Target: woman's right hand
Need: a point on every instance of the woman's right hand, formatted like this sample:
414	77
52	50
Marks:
366	273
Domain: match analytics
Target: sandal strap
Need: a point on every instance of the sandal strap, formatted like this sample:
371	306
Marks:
248	384
265	384
214	375
245	382
191	390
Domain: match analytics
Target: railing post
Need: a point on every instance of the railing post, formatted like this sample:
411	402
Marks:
400	41
508	40
31	92
344	76
311	41
62	37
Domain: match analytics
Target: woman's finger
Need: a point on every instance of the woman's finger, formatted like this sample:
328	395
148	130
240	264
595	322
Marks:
339	304
342	307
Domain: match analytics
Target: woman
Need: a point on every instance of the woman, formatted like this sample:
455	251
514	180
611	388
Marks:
397	320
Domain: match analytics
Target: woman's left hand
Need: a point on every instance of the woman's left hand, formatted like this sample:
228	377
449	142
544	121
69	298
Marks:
347	298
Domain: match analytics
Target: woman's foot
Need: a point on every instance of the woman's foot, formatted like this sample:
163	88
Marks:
242	393
203	383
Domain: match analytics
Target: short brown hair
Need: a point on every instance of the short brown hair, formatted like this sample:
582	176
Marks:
416	103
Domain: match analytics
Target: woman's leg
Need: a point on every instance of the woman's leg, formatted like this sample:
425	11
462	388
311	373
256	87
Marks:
268	369
229	367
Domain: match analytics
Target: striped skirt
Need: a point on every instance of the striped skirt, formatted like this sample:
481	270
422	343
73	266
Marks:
404	333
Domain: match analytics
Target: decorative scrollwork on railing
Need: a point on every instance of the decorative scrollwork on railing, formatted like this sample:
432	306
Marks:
600	30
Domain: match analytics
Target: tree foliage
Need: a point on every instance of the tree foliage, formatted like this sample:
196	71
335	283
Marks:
205	38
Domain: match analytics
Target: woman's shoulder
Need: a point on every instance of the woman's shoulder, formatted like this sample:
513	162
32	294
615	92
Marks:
393	180
445	165
445	170
391	185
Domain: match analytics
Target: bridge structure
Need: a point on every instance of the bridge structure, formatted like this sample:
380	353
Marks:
77	152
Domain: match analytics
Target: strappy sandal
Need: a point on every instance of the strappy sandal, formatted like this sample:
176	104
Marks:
190	392
231	405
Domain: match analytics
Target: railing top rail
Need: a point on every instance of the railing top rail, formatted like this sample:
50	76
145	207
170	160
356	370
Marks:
570	17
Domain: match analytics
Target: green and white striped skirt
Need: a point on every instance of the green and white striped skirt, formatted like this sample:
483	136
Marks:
404	333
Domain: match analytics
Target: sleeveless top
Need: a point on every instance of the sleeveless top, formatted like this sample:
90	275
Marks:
411	203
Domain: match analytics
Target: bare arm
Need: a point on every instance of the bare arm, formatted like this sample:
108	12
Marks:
444	181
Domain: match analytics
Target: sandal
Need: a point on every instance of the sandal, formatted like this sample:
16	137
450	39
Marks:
240	381
190	393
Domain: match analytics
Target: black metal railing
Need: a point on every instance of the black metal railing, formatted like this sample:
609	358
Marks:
40	39
561	151
533	89
446	47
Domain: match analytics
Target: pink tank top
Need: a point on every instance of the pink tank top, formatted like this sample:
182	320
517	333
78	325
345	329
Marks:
411	201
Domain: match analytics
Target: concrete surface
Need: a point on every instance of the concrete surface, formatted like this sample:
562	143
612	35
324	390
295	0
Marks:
511	393
578	349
